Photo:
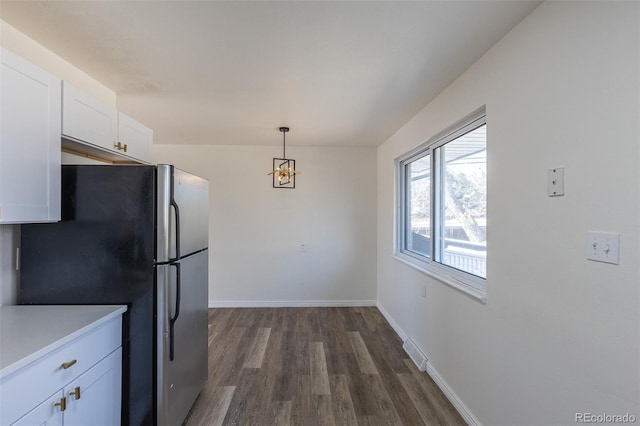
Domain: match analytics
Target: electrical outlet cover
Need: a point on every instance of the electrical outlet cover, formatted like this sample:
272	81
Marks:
603	247
555	182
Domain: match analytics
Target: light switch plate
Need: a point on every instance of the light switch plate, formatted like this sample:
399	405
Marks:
555	182
603	247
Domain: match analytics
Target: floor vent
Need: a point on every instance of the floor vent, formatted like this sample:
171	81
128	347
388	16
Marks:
417	356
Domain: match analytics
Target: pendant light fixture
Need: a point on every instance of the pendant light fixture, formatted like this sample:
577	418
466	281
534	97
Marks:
284	169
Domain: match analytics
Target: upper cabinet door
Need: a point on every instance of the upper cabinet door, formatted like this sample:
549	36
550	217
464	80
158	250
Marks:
135	138
92	127
87	120
29	142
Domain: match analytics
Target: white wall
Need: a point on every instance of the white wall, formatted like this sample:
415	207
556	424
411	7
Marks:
9	238
559	334
256	231
22	45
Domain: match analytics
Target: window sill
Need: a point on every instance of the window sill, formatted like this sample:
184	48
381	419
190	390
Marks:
434	272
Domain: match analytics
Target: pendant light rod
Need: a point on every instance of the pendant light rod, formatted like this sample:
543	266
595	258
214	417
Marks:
284	131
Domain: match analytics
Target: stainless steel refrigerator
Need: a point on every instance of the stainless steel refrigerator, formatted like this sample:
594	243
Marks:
134	235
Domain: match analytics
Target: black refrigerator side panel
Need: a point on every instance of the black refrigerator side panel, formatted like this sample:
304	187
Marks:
102	252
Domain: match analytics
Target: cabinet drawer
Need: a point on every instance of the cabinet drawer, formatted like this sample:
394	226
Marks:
29	386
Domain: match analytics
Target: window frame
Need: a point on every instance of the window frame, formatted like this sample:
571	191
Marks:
472	285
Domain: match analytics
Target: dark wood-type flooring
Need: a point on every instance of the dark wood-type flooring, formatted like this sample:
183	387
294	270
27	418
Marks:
313	366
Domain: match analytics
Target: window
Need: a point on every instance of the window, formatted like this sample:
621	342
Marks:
442	226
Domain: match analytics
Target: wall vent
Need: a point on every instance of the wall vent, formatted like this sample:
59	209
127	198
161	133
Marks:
417	356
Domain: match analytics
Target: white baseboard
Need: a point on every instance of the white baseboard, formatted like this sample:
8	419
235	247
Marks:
466	414
289	303
399	331
444	387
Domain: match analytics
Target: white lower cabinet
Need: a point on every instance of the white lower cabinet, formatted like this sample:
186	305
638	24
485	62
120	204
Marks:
91	399
46	414
78	384
94	398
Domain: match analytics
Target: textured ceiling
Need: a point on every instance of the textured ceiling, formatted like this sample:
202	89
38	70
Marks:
210	72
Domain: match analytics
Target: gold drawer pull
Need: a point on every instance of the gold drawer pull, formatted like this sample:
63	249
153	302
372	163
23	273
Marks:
66	365
119	146
62	404
76	393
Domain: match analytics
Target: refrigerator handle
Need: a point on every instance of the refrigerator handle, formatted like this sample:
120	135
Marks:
172	202
172	321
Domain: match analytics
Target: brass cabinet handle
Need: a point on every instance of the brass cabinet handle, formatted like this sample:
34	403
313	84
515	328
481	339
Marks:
120	146
66	365
76	393
62	404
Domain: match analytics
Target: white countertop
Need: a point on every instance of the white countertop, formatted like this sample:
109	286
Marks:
29	331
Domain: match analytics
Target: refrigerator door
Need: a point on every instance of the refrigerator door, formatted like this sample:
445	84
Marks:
183	213
182	342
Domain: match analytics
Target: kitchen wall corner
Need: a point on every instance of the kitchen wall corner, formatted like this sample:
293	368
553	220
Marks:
42	57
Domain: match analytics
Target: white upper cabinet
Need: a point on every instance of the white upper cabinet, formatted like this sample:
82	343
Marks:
135	138
93	124
30	120
87	120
